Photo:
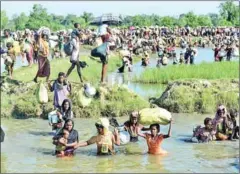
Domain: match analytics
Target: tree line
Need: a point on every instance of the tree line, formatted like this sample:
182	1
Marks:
228	16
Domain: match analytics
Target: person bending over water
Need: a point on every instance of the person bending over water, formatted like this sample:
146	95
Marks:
154	139
105	140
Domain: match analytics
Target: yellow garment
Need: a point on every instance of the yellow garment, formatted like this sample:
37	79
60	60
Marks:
44	48
104	142
12	53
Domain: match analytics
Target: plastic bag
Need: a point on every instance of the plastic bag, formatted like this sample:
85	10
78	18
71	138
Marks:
82	100
154	115
42	95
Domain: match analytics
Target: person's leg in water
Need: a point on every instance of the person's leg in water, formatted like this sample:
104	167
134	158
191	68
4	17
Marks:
79	71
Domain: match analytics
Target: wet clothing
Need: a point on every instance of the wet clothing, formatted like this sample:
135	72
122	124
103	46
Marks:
154	144
104	143
132	130
73	137
204	135
61	147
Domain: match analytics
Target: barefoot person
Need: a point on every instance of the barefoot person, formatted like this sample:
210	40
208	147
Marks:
106	38
10	61
43	62
74	59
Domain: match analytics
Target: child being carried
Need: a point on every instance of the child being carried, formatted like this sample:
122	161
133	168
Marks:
60	148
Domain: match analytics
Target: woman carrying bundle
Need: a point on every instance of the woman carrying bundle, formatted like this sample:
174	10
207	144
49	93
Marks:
43	62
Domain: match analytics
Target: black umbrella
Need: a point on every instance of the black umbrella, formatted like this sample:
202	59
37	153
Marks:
107	19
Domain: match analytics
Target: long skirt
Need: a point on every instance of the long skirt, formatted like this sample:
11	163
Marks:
43	67
29	55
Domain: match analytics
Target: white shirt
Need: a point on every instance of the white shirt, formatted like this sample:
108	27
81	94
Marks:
102	30
76	47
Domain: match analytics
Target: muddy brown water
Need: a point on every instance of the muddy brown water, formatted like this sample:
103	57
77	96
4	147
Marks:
28	145
28	148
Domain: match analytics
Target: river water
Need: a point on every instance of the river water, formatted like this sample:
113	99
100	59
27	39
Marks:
28	146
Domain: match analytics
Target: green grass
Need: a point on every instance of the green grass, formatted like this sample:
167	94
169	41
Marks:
91	74
192	96
210	71
19	101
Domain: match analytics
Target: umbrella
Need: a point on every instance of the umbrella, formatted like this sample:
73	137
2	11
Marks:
107	19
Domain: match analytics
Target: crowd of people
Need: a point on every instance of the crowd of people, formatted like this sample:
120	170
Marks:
36	46
224	126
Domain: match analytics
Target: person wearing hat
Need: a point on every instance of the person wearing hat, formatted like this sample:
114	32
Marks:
145	60
132	126
104	139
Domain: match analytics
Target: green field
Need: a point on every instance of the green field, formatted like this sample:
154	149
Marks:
210	71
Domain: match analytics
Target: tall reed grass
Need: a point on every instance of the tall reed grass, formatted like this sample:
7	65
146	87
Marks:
210	71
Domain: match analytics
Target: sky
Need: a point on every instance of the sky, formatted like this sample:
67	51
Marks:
162	8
